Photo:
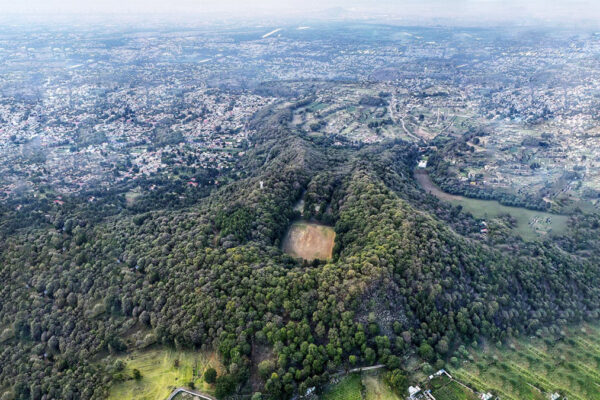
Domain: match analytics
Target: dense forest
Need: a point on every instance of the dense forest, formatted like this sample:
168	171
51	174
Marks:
407	277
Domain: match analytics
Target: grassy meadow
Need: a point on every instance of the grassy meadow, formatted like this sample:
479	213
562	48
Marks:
530	224
443	388
365	386
160	375
375	388
349	388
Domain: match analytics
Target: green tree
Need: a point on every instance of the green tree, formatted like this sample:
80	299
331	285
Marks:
397	381
210	375
137	375
426	352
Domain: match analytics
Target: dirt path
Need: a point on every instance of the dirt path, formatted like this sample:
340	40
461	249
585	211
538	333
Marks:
193	393
360	369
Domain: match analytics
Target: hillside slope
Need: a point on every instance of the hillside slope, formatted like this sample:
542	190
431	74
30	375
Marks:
402	279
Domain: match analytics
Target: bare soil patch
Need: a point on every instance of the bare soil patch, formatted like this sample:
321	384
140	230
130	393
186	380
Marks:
309	241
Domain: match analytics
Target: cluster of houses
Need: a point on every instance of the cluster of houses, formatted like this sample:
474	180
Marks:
416	393
82	136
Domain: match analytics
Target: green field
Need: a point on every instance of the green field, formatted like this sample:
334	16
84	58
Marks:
376	388
365	386
530	224
442	388
132	195
535	368
160	376
316	106
349	388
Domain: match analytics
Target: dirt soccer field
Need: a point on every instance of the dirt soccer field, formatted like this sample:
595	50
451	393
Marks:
309	241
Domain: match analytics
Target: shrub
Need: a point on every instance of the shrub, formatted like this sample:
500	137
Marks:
210	375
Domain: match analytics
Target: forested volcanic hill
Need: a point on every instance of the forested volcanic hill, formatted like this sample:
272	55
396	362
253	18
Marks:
408	276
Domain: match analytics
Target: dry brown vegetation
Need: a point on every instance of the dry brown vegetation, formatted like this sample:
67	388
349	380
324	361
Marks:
309	241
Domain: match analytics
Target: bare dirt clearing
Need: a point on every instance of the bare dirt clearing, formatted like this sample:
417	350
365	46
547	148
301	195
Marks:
309	241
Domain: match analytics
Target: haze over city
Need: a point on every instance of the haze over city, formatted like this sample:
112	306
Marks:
472	12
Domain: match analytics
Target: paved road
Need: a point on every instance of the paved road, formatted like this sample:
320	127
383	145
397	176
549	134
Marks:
407	132
184	390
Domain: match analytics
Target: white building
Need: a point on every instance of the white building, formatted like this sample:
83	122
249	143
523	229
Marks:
413	390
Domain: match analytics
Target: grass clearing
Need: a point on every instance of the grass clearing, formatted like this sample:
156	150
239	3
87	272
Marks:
361	386
309	241
160	375
316	106
530	224
132	195
349	388
451	390
376	388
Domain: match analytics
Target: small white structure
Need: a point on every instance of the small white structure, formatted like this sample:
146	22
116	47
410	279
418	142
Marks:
423	164
413	390
554	396
262	185
440	373
486	396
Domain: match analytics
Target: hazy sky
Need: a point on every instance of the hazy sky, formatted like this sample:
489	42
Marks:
476	10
